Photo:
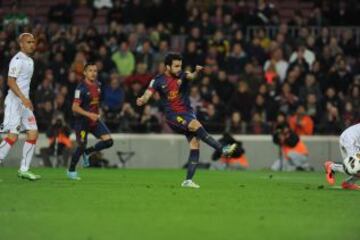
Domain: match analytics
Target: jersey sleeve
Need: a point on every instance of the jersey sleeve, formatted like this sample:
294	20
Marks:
78	95
14	67
154	85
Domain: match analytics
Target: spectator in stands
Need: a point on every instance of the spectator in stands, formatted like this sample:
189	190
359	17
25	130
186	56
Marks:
281	66
124	60
310	87
148	121
251	78
145	55
141	75
235	125
286	100
331	122
236	60
300	122
192	56
15	16
340	76
61	13
313	108
241	99
302	56
212	119
223	87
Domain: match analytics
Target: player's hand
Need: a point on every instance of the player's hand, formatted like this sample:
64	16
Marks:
27	103
94	117
198	68
140	101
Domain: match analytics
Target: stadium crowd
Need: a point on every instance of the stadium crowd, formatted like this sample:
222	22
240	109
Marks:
312	78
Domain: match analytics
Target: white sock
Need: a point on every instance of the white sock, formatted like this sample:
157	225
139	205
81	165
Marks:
5	147
28	152
337	167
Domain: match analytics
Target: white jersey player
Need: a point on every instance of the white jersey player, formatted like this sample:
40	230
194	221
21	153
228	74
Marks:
349	142
19	114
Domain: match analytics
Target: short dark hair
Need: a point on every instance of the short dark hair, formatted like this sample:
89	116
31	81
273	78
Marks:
88	64
171	57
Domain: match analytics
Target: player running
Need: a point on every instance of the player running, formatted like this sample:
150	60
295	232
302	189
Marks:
19	114
87	119
350	152
172	87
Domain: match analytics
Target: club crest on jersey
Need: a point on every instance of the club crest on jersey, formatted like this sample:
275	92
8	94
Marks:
173	94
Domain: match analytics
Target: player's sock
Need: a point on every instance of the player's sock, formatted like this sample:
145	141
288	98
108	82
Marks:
100	146
352	179
75	158
192	164
5	147
337	167
28	152
205	137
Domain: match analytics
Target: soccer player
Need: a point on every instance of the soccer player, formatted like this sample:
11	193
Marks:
349	146
87	119
19	114
172	87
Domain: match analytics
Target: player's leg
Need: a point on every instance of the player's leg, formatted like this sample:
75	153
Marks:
28	123
102	132
332	167
6	145
81	139
193	161
200	132
350	183
11	124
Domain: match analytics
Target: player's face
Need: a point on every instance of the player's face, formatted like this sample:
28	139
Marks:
90	73
175	68
27	44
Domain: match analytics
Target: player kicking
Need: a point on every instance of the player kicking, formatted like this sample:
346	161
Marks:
350	152
87	119
172	87
19	114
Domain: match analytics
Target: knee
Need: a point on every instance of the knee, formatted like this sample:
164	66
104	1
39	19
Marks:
11	138
33	135
194	125
195	144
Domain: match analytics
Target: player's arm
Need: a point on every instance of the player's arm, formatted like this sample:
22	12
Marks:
145	97
193	75
16	90
76	108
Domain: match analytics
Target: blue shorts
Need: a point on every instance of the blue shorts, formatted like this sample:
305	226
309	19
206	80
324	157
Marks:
179	123
82	130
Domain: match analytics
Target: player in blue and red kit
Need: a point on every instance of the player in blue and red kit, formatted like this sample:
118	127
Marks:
173	87
87	120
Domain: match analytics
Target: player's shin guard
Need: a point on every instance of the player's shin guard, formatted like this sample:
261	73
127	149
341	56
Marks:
192	164
28	152
75	158
100	146
5	147
206	138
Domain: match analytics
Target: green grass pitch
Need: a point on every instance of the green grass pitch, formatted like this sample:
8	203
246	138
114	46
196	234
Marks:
149	204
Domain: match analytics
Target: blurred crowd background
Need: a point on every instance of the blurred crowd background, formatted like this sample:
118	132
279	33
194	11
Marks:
261	59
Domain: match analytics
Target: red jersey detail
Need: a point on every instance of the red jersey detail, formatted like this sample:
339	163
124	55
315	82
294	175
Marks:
174	98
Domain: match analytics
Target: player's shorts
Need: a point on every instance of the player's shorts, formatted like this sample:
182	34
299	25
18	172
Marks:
17	118
347	146
179	123
82	130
